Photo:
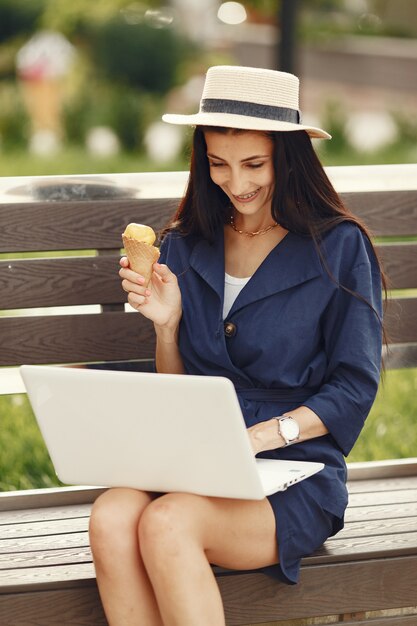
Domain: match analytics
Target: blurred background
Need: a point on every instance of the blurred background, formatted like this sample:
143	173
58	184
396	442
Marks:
83	84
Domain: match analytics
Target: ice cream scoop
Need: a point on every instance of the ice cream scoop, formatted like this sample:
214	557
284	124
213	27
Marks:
141	232
138	242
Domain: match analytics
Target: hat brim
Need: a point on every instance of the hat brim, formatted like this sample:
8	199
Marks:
244	122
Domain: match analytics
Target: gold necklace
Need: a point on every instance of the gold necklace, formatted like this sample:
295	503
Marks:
248	233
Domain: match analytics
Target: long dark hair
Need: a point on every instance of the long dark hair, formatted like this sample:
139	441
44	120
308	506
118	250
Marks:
304	200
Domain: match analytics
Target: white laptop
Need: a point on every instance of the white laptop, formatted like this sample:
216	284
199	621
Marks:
155	432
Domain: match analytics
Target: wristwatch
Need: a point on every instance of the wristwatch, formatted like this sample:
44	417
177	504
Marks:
288	429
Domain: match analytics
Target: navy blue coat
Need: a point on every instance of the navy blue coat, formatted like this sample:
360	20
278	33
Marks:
299	339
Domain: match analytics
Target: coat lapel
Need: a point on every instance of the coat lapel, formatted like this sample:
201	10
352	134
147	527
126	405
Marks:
293	261
208	261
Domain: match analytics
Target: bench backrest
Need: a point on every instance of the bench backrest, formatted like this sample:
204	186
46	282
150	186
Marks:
76	222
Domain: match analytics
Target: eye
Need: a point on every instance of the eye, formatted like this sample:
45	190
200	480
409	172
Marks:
212	164
255	166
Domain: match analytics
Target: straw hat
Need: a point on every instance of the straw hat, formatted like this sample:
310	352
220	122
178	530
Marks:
250	98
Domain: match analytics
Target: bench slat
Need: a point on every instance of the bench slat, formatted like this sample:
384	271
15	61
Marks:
401	320
386	213
95	280
361	548
398	620
37	543
383	497
383	484
381	511
99	224
109	336
71	607
54	531
43	528
45	558
367	528
400	264
74	511
68	554
401	356
90	225
344	588
49	498
339	548
114	336
46	514
60	282
256	597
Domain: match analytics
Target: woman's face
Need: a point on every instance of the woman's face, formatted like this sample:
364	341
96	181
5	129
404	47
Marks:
241	164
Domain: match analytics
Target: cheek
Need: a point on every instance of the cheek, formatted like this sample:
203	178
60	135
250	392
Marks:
217	177
267	178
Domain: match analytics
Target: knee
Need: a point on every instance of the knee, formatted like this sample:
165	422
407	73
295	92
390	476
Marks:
166	522
115	517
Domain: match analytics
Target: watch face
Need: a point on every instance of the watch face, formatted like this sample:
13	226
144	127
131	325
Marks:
289	429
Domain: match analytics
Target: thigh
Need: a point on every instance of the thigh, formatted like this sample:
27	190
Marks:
235	534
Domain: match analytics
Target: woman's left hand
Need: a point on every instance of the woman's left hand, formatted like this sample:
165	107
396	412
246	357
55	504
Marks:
265	436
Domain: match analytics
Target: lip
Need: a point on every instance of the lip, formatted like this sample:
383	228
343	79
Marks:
246	200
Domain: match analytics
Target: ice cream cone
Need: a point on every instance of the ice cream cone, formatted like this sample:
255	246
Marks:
141	256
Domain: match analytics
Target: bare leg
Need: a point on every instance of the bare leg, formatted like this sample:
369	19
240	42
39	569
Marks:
124	586
181	534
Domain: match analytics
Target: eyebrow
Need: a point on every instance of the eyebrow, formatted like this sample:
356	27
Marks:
251	158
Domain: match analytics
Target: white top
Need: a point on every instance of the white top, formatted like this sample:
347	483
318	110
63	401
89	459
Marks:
232	287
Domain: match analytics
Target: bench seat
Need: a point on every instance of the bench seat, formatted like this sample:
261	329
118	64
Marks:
46	567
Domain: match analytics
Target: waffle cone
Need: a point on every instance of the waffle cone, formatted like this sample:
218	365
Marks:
141	257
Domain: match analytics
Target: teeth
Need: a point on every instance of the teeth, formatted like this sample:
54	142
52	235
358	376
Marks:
249	195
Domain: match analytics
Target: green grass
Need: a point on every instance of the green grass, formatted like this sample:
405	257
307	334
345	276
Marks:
76	160
24	461
390	155
390	432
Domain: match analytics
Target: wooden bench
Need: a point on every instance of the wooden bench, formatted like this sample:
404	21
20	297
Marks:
46	572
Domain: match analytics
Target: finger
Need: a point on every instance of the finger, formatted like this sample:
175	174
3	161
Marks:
132	276
130	287
164	272
136	300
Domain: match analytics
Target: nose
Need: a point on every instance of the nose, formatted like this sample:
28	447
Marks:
237	182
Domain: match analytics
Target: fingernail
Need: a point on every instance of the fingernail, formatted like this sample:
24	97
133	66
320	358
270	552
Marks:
147	293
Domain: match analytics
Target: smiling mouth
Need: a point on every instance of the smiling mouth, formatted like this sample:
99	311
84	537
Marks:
248	196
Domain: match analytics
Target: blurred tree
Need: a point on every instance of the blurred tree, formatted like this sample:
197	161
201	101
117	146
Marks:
267	8
125	110
19	17
139	55
324	5
72	17
14	121
270	8
129	57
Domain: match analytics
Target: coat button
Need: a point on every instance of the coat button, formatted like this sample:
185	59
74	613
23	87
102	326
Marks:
229	329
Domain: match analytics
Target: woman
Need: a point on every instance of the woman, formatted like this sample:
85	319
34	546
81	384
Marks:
267	279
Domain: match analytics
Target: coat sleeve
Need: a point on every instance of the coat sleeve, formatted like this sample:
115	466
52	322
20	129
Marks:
352	333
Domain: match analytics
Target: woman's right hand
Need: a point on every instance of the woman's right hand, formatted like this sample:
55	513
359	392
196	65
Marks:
160	301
